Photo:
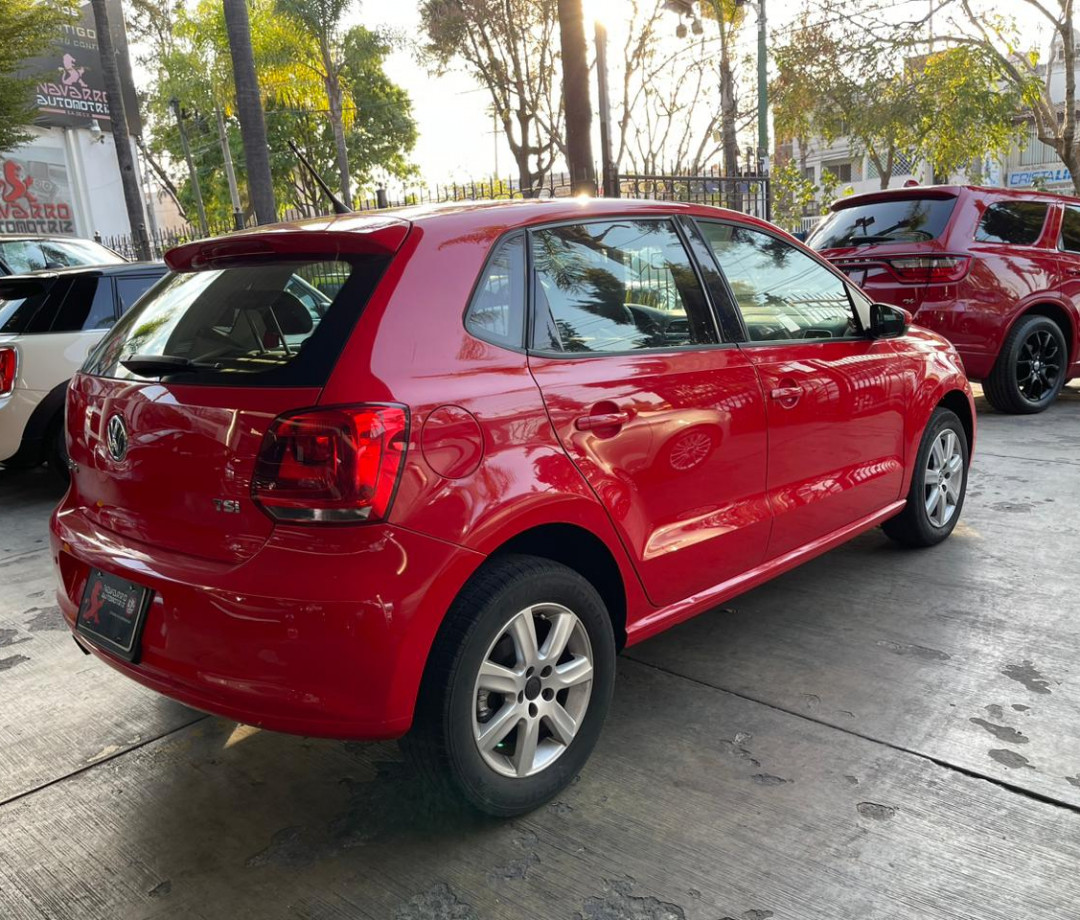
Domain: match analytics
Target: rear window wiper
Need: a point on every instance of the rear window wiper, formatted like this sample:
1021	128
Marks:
160	365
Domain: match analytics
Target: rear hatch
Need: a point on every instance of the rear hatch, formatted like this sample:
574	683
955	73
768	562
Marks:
167	418
892	244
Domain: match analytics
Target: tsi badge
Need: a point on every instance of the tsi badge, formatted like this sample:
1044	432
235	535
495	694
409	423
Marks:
227	505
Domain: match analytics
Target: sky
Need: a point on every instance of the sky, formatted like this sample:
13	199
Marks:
457	141
457	138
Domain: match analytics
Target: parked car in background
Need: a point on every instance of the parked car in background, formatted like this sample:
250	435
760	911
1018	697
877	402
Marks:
49	322
22	254
996	272
441	506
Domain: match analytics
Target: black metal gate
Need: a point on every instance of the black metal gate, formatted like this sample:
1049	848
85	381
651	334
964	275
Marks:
749	194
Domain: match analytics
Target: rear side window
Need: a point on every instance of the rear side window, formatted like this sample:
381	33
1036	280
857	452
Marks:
625	285
266	324
901	220
497	311
64	304
1018	223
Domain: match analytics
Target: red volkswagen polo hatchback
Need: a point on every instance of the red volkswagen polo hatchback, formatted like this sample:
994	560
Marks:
428	472
996	271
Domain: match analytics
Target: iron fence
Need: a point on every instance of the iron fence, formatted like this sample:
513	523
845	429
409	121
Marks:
750	194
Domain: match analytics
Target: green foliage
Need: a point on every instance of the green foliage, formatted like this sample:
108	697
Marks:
795	196
27	28
190	62
945	109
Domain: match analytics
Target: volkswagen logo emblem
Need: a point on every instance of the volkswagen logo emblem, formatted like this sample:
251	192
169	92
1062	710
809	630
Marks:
117	438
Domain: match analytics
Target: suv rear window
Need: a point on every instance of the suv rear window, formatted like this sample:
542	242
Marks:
1018	223
899	220
274	324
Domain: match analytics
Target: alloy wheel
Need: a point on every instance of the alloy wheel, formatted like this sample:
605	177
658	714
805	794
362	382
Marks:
943	479
1038	365
532	690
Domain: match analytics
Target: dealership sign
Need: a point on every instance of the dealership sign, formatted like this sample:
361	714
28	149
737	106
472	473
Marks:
1049	176
35	196
71	88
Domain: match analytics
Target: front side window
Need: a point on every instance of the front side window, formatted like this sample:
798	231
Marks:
497	311
1018	223
617	286
781	292
131	289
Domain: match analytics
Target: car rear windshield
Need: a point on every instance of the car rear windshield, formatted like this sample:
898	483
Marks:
272	324
901	220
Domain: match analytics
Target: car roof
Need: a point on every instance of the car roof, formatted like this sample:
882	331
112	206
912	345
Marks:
121	268
947	191
384	231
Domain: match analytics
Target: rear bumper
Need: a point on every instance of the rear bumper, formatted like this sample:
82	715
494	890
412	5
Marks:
325	637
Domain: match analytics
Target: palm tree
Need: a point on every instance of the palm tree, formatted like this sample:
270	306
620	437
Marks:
575	63
250	112
320	20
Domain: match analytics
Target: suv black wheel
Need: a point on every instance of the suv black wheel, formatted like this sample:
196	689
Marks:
938	484
517	686
1030	371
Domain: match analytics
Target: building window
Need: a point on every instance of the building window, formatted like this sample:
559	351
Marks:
1035	152
844	172
808	174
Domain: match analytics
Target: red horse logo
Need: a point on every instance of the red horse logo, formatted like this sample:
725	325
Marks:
15	187
91	615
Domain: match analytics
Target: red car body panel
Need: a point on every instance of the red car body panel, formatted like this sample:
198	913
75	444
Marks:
1003	283
326	630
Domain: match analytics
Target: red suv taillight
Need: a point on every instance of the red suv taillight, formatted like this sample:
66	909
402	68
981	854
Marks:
332	466
930	269
7	370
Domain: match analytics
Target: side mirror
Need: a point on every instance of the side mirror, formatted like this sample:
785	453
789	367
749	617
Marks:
887	321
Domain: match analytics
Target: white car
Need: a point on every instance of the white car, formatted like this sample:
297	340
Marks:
49	322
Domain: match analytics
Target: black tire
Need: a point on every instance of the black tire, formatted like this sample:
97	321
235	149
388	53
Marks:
1010	386
913	526
56	448
442	744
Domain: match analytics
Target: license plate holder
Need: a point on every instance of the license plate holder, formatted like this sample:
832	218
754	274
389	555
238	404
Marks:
112	613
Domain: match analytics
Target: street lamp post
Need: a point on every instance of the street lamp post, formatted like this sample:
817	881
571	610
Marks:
609	181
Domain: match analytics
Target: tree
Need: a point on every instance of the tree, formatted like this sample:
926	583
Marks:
27	29
508	47
945	108
125	159
729	16
320	20
189	59
575	81
250	112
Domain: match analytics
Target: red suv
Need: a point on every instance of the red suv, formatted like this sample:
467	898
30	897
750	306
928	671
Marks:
508	441
996	272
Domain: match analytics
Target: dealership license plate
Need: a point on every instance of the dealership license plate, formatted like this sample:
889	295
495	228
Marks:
112	611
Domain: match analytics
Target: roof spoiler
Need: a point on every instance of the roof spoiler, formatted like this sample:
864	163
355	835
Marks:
345	237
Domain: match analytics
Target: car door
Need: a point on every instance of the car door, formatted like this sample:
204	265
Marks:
1068	279
664	419
835	398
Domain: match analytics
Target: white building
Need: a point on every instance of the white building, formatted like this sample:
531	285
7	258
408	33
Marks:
66	179
1029	161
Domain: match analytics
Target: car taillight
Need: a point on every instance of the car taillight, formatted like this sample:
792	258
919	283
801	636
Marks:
930	269
8	360
332	466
